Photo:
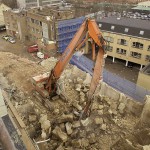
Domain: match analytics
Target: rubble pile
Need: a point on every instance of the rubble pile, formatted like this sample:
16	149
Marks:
116	124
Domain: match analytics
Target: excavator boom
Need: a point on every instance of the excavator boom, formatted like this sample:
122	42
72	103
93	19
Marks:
88	29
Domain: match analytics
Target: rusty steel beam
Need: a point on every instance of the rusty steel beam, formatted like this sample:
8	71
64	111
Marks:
5	138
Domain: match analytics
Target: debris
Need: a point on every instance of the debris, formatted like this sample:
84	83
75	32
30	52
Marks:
58	133
68	128
32	118
85	122
76	124
84	142
60	147
78	87
104	127
55	97
43	135
88	79
98	121
76	143
121	107
146	147
92	138
65	118
45	124
76	105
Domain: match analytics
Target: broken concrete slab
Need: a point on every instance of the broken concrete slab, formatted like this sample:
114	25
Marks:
85	122
32	118
103	127
92	138
46	125
98	121
76	143
65	118
76	105
60	134
68	126
76	124
84	142
121	107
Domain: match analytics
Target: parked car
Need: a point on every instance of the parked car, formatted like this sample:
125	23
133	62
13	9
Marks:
33	48
11	40
5	37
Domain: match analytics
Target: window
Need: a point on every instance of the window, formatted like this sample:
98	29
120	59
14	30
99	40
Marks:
122	42
100	25
135	55
109	39
137	45
148	48
112	27
109	48
141	32
126	30
121	51
147	58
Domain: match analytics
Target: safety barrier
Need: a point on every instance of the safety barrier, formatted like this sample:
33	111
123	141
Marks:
66	29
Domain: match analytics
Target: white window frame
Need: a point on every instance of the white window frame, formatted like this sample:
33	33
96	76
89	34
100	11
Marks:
141	32
100	25
126	29
112	27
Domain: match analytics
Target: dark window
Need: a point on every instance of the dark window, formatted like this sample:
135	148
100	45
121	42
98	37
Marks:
135	55
122	42
137	45
121	51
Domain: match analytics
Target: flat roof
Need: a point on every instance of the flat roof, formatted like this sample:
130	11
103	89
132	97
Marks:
134	26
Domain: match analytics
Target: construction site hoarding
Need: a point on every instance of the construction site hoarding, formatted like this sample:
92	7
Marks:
66	30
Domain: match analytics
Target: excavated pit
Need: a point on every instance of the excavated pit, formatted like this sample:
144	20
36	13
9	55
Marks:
116	121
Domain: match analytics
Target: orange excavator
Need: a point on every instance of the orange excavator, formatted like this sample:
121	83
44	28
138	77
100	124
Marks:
46	84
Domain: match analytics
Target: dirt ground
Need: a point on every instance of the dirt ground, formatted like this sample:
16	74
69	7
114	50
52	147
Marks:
111	125
19	49
117	68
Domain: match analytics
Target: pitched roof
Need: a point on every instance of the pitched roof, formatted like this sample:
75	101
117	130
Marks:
134	26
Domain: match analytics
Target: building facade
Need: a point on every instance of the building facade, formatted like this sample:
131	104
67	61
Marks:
37	3
128	39
3	7
36	23
15	22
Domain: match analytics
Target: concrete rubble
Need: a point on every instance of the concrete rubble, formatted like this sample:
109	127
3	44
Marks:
114	123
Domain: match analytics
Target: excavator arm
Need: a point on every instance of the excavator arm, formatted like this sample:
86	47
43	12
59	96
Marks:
88	29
